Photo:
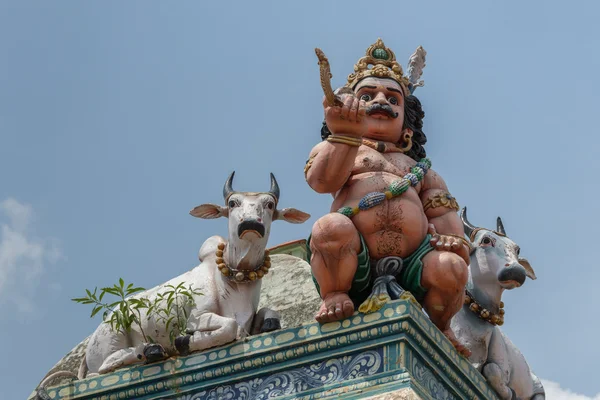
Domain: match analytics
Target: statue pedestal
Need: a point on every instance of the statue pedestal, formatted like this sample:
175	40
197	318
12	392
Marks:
395	353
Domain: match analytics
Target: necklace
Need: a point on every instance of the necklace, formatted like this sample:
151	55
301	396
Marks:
392	148
381	147
477	309
242	276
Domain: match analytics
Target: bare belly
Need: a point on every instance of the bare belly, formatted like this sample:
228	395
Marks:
394	228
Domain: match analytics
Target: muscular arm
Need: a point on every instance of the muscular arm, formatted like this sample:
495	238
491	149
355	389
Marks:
329	166
441	209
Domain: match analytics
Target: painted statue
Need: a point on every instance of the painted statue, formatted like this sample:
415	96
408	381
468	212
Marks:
496	265
228	276
390	211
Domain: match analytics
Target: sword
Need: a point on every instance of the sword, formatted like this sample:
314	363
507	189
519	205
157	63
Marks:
325	74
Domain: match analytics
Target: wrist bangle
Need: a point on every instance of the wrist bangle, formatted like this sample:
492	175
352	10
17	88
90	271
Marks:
349	140
465	242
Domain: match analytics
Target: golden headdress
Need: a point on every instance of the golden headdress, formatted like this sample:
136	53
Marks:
384	65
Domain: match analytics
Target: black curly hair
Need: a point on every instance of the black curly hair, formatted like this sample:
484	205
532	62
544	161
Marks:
413	120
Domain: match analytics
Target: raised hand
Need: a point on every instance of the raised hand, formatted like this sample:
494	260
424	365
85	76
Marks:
347	119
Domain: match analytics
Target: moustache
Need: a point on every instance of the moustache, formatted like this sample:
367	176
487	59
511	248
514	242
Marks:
385	108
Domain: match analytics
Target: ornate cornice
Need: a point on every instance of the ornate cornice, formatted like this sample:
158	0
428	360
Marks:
394	348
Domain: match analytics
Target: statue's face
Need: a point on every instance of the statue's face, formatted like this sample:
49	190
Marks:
381	125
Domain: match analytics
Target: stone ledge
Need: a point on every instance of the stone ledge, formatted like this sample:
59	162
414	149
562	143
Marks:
393	353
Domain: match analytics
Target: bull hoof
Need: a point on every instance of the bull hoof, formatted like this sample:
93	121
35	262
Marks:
182	344
270	325
154	352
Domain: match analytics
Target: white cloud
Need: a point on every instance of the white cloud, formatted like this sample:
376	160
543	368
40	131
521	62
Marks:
23	257
555	392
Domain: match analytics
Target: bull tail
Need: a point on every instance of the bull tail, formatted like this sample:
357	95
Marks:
41	394
83	369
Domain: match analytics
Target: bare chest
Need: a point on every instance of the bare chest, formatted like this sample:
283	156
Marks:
369	160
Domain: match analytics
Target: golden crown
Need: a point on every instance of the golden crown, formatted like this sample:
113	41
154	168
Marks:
384	65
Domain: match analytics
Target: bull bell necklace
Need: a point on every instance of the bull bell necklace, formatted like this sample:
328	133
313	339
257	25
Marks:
240	275
481	312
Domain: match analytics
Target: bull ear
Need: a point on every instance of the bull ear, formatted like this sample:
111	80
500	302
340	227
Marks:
528	269
209	211
291	215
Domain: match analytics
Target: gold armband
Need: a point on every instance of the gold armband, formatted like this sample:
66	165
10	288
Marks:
349	140
309	164
443	199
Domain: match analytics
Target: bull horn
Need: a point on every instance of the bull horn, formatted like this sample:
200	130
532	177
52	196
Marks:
228	188
500	226
469	228
274	187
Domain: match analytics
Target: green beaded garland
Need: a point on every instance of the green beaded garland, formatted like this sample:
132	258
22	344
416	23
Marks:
399	186
396	188
347	211
418	172
380	54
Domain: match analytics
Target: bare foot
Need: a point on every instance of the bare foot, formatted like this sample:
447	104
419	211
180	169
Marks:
457	345
335	306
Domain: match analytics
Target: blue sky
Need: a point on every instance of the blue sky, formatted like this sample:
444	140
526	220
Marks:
117	118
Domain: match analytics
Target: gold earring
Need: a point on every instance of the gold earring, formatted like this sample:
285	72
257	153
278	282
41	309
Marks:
406	140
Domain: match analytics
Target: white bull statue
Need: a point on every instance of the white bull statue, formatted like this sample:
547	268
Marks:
495	266
228	276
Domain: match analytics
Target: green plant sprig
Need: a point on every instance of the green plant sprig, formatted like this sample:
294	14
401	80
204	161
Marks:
124	312
169	307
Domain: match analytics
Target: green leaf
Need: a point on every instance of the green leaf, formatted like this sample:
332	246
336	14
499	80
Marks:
113	305
96	310
88	292
114	322
121	282
169	322
111	290
101	295
135	290
79	299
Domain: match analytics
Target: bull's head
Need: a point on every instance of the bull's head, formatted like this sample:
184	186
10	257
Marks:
250	213
495	259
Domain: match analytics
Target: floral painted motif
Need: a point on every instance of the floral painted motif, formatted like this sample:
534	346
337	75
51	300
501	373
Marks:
297	380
